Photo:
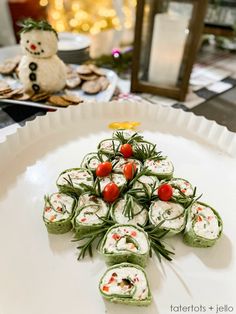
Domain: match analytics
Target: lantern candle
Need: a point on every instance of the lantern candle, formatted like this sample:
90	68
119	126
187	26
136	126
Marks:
167	48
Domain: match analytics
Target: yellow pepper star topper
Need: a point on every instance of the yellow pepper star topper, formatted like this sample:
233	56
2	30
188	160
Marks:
129	125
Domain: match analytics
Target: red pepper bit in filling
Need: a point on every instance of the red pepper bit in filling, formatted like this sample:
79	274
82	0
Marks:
105	288
199	218
58	196
47	209
116	236
199	208
53	217
59	209
83	219
112	279
133	233
183	190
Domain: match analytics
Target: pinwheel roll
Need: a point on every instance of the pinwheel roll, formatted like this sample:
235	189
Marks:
171	216
126	284
117	178
204	225
74	180
125	243
89	214
125	136
128	211
120	162
145	185
58	212
92	160
183	191
109	146
162	168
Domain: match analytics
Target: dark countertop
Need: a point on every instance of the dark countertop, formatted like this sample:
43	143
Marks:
221	108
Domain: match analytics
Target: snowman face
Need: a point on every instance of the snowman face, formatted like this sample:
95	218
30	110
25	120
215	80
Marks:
39	43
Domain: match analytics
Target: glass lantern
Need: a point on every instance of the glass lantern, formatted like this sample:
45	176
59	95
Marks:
167	37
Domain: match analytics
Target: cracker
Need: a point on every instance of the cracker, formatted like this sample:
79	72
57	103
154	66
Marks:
73	99
96	70
58	101
91	87
23	97
104	82
5	90
7	67
73	80
83	69
40	96
88	77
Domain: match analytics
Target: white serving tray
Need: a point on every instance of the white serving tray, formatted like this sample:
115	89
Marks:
39	273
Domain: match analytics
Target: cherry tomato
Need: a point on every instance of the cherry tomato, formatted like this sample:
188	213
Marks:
126	150
111	192
104	169
129	170
165	192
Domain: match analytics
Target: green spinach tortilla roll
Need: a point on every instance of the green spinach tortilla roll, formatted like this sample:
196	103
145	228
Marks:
126	136
126	284
89	213
92	160
183	191
117	178
58	212
125	243
162	168
145	185
204	225
109	146
73	180
119	213
171	215
120	162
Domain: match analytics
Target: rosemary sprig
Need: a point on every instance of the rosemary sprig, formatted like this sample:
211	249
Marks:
134	138
30	24
128	210
144	152
155	234
95	189
90	238
144	172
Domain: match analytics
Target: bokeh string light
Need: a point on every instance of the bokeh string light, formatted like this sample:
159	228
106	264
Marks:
89	16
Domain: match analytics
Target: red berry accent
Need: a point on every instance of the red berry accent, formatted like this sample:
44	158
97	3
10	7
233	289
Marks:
129	170
165	192
126	150
104	169
111	192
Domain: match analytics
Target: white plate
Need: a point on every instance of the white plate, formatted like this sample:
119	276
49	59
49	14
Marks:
39	272
71	42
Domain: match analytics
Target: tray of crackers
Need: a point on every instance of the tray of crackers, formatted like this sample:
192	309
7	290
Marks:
84	83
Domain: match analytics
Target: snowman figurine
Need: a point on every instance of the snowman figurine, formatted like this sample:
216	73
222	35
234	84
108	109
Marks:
40	69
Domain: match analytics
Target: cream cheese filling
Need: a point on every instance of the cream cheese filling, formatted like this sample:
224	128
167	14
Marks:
140	215
77	177
171	213
126	238
125	281
206	222
163	166
59	208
